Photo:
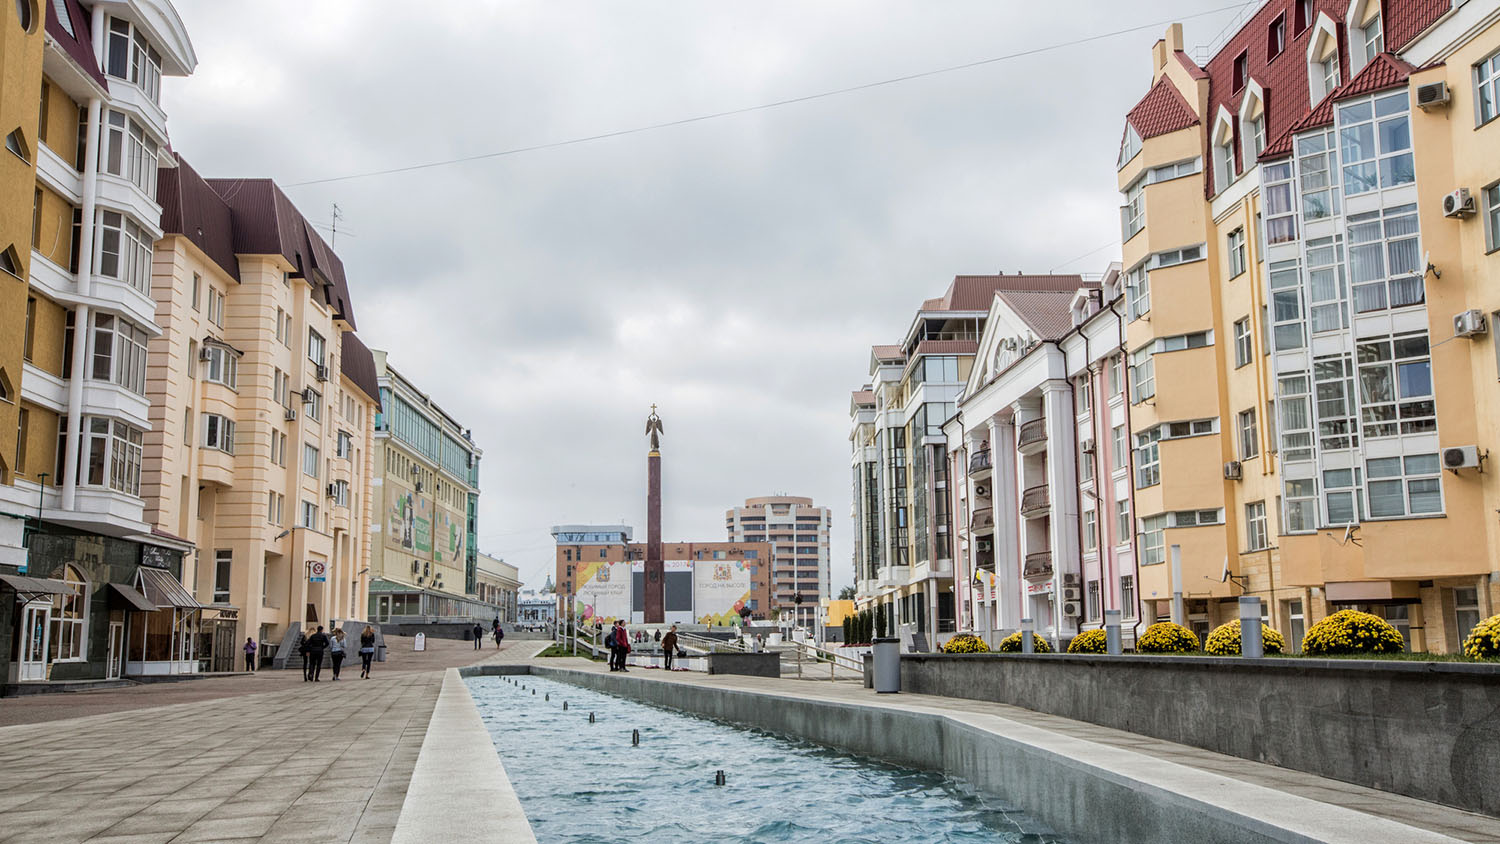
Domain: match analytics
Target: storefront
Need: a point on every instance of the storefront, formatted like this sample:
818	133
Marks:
163	641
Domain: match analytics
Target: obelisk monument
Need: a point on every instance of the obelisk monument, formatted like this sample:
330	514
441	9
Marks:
654	609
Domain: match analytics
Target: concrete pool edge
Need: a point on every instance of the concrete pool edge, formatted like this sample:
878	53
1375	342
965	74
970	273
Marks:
459	785
1085	790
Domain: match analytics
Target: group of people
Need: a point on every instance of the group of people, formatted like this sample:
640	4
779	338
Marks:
496	632
312	645
619	640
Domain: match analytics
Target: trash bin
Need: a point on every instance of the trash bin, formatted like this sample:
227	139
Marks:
887	665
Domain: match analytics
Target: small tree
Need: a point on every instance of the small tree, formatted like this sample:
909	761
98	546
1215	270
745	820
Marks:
880	620
848	629
846	594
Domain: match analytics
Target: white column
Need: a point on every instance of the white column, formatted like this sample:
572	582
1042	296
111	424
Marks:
85	283
1062	495
1006	497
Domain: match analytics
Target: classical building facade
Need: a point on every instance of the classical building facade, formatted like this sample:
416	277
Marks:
82	114
426	489
262	410
796	533
498	586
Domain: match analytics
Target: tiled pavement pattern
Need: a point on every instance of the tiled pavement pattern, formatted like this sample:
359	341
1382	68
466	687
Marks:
304	763
1464	826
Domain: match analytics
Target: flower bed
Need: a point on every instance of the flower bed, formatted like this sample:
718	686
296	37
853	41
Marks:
1012	644
1225	640
1165	637
1352	632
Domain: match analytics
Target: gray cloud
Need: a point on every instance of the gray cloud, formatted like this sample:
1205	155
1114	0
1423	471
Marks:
734	271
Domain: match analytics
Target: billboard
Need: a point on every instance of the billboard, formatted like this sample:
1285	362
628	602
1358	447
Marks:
408	519
720	589
604	591
452	530
678	591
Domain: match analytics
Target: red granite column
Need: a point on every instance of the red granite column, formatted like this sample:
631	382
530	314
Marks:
655	599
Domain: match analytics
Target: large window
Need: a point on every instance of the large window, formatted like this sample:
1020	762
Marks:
70	618
124	251
1373	38
1327	290
223	365
1153	548
1333	382
1395	386
1294	400
1286	306
1242	342
218	432
1341	496
310	460
215	306
315	347
1249	434
1375	144
1385	259
1491	198
131	57
1237	260
1148	458
1280	205
1465	611
1404	486
275	501
1257	536
1138	292
1142	375
119	353
941	368
1300	501
309	515
340	494
1118	447
113	452
1133	213
223	571
128	152
1319	173
1487	88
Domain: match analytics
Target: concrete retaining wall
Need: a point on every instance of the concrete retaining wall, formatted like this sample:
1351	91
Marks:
1087	791
1425	730
754	665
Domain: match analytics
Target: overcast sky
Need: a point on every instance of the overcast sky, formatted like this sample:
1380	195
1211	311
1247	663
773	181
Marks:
733	271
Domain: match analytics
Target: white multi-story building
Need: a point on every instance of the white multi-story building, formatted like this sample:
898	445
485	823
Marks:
797	532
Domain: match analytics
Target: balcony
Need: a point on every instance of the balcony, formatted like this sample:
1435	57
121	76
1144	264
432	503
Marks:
1038	565
980	461
1035	501
1032	436
983	521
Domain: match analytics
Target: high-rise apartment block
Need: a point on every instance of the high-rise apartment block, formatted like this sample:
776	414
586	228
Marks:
796	531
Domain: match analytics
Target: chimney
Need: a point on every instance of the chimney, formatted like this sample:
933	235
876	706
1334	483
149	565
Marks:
1162	51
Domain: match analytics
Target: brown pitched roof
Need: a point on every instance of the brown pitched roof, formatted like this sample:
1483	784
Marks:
976	292
863	396
1382	73
358	365
1048	312
77	43
947	347
887	352
191	208
1162	110
267	223
1192	67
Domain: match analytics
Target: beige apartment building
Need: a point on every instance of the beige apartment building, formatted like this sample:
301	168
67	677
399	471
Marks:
263	404
796	533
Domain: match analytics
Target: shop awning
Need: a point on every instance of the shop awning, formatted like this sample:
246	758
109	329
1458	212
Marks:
131	598
32	588
163	591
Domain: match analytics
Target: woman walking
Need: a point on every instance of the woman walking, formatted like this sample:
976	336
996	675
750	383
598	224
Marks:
336	651
366	651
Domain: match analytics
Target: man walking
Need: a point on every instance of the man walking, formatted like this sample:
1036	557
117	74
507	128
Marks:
499	634
478	636
669	647
316	643
622	645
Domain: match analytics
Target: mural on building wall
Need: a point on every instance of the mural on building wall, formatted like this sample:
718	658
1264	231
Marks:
452	532
720	589
604	591
408	521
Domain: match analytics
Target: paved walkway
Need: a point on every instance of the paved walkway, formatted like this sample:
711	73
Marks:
256	758
1456	823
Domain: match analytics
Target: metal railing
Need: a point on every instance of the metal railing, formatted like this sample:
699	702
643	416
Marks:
980	461
1035	500
810	654
1031	433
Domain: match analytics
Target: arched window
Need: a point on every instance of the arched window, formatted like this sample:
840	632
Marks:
1223	148
1252	123
1323	71
70	612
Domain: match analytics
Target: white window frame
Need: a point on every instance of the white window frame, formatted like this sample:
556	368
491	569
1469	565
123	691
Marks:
218	432
1138	292
1090	530
317	347
1279	202
1133	212
1323	78
1248	433
1487	89
1490	197
1225	172
1377	163
1130	146
223	366
1318	175
1257	528
1244	349
1152	548
1299	505
1174	257
1405	413
1142	374
308	516
1148	457
1414	475
312	461
223	557
1238	253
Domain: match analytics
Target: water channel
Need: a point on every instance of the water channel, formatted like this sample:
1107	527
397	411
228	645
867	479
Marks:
585	782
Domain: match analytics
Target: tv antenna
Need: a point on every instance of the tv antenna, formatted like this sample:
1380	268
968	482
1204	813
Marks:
333	240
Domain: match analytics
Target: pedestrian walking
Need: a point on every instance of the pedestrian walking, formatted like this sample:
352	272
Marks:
336	651
658	632
499	635
302	649
609	642
669	647
622	640
478	636
366	651
250	653
316	644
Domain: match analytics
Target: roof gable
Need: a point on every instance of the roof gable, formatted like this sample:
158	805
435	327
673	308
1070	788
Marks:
1161	111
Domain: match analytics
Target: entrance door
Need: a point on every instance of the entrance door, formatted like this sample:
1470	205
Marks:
36	623
116	649
383	608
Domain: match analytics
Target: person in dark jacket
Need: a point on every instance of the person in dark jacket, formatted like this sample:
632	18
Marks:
316	644
499	635
478	636
622	645
366	651
669	647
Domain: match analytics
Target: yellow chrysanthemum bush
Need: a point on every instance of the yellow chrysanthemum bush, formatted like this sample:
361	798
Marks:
1352	632
1089	642
965	643
1012	644
1484	641
1225	640
1165	637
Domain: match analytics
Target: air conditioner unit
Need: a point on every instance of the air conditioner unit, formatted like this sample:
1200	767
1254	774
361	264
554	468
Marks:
981	490
1070	578
307	395
1433	95
1087	446
1232	471
1459	203
1072	609
1461	457
332	491
322	372
1070	593
1470	323
205	355
291	414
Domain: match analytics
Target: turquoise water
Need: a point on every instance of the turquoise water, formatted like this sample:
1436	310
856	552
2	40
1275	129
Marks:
583	783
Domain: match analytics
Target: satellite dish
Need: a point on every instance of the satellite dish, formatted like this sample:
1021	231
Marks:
1224	578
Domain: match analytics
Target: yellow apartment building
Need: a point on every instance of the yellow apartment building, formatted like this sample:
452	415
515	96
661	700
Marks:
263	405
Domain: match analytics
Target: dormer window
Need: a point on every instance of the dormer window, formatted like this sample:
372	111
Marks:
1253	124
1323	71
1366	33
1241	72
1223	143
1304	17
1374	38
1129	147
1276	37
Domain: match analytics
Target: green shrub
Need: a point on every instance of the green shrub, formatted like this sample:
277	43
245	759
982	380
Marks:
1166	637
1012	644
1352	632
965	643
1225	640
1484	641
1090	642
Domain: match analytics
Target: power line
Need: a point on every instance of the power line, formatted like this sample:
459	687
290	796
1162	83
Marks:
765	106
1094	251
